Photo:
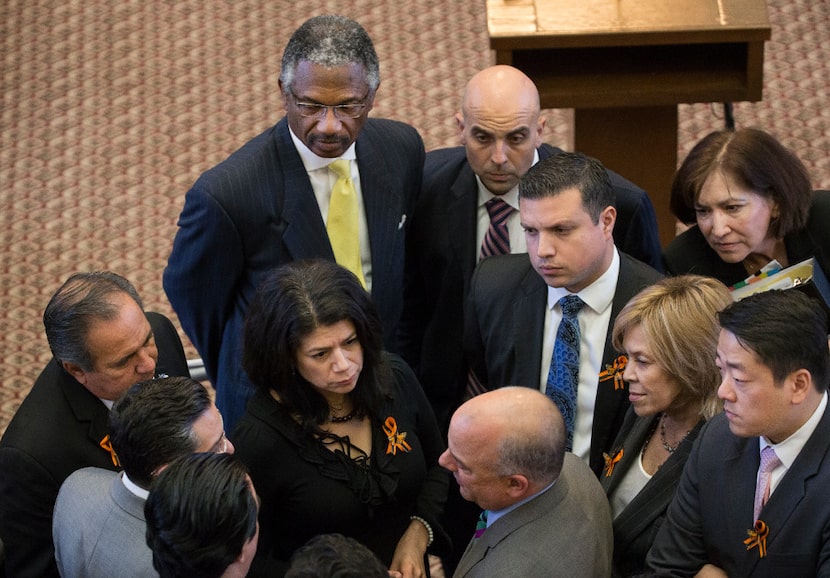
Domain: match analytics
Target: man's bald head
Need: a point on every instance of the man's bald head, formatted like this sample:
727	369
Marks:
500	126
503	434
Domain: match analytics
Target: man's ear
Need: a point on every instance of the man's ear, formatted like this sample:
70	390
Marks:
75	371
801	382
607	218
517	485
459	122
283	95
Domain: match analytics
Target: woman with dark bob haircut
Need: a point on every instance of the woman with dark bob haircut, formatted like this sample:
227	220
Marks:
752	201
338	437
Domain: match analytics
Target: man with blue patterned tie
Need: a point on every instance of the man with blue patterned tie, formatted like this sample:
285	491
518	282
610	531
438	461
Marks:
515	312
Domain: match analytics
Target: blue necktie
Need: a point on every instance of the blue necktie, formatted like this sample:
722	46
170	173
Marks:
563	376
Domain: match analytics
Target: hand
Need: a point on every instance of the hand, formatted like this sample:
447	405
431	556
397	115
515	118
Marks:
408	561
710	571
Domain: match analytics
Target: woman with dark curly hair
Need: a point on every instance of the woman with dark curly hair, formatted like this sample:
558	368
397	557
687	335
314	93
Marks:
752	202
339	436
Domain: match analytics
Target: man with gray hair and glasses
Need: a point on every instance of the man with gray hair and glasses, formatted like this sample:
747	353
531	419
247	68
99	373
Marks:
325	182
102	342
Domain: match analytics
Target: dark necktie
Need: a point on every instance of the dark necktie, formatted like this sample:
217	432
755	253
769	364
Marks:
496	242
481	524
563	376
496	239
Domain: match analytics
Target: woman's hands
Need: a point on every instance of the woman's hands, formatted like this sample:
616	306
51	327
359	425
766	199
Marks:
408	561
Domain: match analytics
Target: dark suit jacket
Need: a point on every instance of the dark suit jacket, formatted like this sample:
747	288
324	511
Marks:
564	532
690	253
636	526
442	253
712	510
257	210
56	431
504	334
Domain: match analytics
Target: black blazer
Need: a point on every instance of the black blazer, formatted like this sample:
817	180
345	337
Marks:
57	430
442	253
712	510
636	526
255	211
504	334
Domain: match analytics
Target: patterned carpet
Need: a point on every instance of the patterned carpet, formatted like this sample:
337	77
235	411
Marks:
110	110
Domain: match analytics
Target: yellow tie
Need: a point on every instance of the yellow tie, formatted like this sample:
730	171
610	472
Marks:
342	222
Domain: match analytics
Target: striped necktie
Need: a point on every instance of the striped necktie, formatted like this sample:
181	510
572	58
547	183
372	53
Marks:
496	239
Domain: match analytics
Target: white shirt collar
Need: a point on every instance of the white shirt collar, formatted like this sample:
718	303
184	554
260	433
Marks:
788	450
134	488
494	515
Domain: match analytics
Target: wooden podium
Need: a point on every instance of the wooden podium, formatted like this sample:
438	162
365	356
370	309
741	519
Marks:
625	65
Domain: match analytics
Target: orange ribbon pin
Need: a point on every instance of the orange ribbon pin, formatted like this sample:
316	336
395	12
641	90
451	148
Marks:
107	445
758	537
610	461
397	441
615	372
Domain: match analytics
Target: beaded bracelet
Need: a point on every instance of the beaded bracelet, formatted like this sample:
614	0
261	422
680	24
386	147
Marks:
427	526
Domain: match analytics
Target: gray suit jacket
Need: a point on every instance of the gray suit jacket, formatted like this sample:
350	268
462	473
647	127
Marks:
255	211
708	519
99	528
504	330
564	532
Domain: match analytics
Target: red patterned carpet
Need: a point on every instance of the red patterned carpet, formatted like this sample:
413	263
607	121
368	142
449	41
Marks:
110	110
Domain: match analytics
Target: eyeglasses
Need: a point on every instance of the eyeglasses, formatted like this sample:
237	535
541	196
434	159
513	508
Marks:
341	111
220	447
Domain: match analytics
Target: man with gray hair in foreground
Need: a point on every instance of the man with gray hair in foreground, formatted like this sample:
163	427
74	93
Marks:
545	513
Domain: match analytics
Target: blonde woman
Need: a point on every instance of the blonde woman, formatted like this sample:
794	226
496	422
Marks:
669	333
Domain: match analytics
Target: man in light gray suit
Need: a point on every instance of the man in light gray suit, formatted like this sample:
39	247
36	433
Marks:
98	524
545	513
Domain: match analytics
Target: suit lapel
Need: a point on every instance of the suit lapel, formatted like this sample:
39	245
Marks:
611	405
503	527
305	233
795	483
528	329
462	218
86	408
384	213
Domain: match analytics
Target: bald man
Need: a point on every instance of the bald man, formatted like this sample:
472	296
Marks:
546	514
500	126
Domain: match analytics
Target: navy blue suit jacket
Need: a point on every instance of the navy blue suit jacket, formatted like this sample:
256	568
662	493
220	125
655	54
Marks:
257	210
442	253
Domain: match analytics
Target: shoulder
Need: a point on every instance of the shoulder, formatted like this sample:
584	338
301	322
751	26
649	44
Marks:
387	131
444	163
89	481
634	270
690	253
503	274
509	268
247	157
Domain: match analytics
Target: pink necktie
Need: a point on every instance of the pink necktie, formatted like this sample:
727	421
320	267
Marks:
769	461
